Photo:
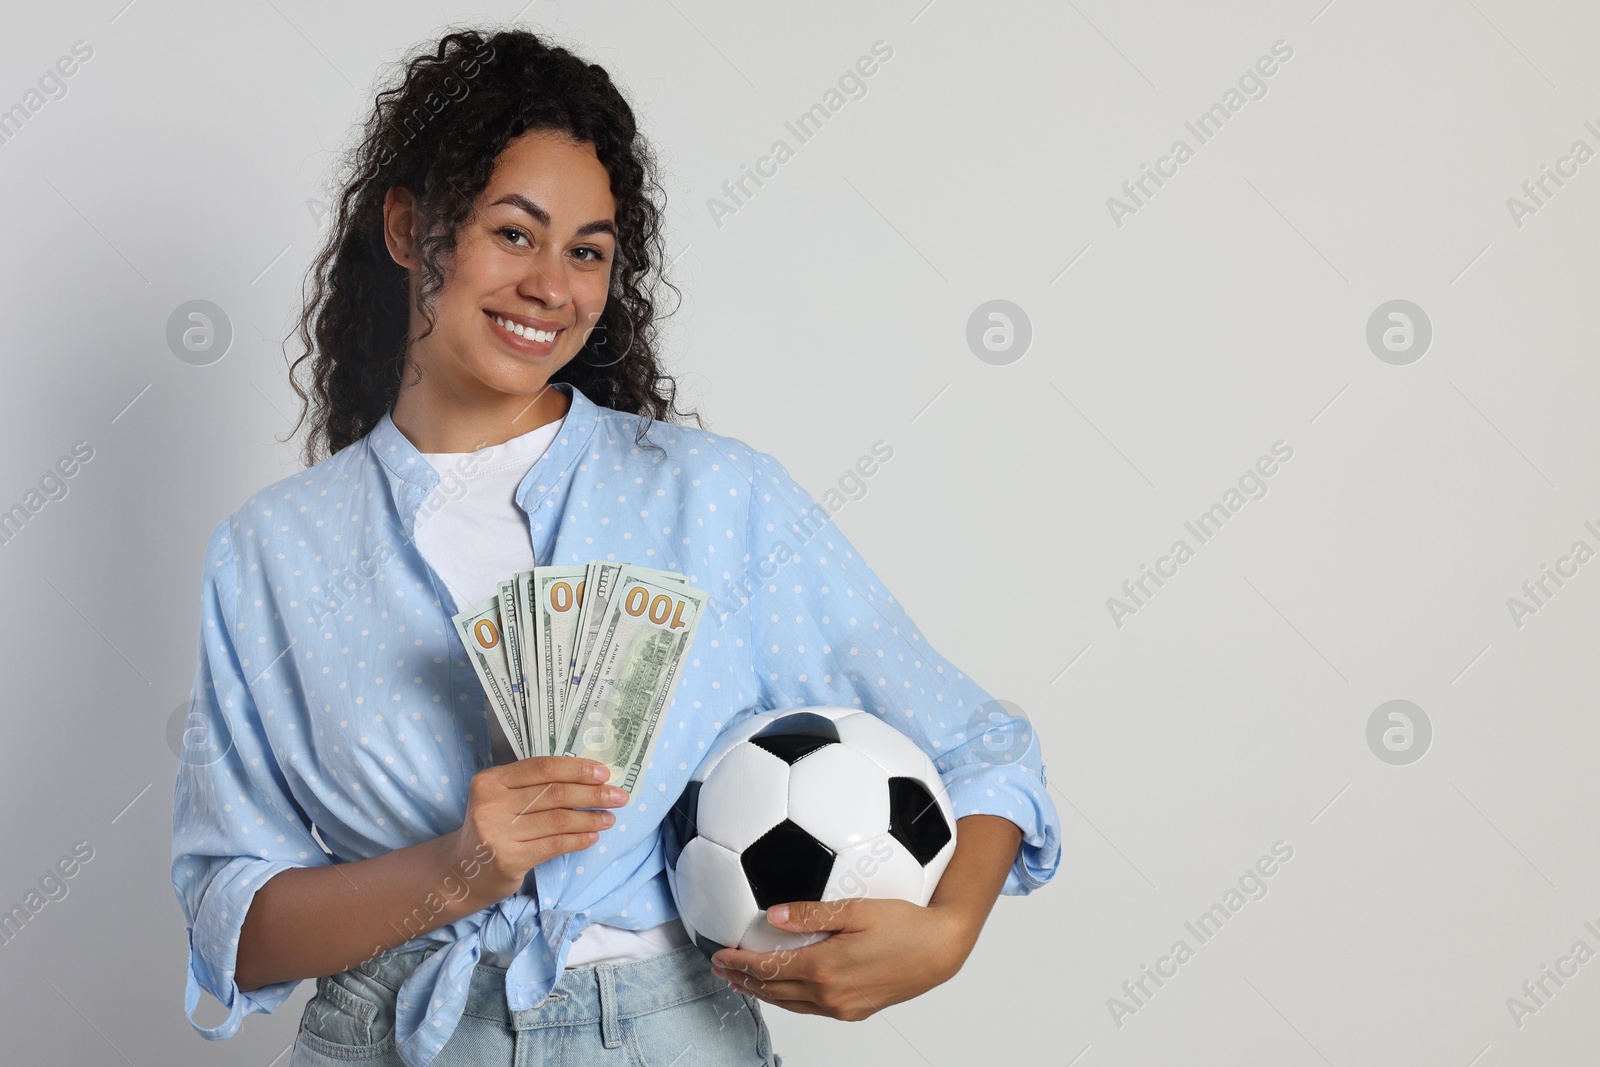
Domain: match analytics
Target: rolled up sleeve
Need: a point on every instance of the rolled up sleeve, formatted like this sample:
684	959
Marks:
234	822
826	631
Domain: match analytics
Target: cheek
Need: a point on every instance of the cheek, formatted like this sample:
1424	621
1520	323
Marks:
590	290
589	300
480	269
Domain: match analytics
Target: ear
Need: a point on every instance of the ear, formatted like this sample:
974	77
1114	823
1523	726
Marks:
399	225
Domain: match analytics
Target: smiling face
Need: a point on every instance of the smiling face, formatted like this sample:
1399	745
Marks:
524	287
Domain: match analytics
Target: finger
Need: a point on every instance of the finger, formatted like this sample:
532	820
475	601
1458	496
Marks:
796	963
798	1006
767	965
561	844
782	989
523	856
806	999
811	916
536	770
553	822
548	795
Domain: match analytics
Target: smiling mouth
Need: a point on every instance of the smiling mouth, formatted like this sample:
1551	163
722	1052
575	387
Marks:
527	333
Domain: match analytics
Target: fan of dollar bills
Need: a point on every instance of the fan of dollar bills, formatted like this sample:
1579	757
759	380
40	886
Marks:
582	660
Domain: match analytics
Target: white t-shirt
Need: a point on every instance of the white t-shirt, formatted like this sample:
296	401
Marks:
471	531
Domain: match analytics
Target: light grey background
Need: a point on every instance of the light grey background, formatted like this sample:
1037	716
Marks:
831	311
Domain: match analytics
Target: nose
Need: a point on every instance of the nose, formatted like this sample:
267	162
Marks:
545	279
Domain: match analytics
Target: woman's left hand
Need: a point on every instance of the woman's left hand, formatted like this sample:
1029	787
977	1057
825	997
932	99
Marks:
880	952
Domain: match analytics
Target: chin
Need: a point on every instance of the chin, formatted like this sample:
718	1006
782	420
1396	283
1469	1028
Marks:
520	379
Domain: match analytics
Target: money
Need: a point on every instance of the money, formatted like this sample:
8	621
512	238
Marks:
507	593
523	583
598	582
558	600
632	671
583	659
479	629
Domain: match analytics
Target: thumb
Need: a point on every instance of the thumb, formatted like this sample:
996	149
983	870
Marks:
811	916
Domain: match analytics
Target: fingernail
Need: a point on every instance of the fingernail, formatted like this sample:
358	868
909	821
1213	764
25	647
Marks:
778	914
599	771
617	795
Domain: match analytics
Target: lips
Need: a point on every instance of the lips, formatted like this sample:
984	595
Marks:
524	328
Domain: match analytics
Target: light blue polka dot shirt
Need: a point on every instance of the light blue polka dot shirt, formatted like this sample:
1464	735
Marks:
332	690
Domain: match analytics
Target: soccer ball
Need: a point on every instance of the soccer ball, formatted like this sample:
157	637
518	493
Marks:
803	804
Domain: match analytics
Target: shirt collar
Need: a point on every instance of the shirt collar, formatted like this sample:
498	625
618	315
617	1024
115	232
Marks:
412	478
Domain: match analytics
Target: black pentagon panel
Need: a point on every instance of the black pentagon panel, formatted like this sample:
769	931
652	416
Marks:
787	864
678	828
706	945
791	748
794	736
800	722
916	820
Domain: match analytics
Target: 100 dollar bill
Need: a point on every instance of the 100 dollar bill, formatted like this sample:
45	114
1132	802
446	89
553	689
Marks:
522	614
632	669
479	630
558	595
598	581
513	637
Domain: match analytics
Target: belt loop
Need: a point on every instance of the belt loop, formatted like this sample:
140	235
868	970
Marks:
610	1034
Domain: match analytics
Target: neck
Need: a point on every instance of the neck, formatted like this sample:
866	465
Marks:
435	422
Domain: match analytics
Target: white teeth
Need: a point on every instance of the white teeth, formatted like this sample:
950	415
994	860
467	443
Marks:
525	331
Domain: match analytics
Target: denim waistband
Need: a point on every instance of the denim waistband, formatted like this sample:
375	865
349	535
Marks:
601	993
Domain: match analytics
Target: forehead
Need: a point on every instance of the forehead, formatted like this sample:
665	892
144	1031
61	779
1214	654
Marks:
562	176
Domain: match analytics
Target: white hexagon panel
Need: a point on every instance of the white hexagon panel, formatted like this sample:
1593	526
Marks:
892	750
747	795
839	796
713	896
880	868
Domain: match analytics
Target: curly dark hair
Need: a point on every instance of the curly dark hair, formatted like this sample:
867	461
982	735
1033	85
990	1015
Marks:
438	132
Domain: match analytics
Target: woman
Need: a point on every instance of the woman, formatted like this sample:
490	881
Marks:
485	387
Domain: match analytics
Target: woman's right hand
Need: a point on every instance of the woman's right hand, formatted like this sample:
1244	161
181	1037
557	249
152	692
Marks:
522	813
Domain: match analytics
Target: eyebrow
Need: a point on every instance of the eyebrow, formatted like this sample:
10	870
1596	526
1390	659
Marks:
517	200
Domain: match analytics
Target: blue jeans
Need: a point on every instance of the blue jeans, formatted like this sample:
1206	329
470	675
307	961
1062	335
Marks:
665	1009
